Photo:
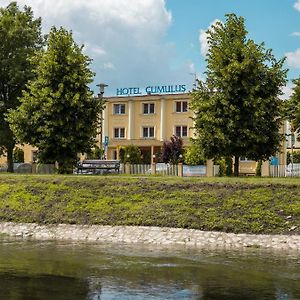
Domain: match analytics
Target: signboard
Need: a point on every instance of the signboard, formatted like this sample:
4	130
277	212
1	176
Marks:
274	161
163	89
106	141
194	170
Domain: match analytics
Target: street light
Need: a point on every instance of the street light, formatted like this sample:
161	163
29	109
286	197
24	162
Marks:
101	86
292	135
180	158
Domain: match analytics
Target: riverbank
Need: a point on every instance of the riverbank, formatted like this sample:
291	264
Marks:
151	236
243	205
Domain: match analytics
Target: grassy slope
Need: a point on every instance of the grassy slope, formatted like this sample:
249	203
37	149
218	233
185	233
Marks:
224	204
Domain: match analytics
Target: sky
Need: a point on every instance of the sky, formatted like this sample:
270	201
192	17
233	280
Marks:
137	43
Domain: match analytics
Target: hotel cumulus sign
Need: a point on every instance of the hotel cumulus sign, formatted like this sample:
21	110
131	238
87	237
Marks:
157	89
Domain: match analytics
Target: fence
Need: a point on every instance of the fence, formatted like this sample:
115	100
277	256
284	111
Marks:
146	169
134	169
140	169
28	168
285	170
165	169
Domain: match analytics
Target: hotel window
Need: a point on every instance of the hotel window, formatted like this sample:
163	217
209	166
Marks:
181	131
119	133
148	108
181	106
148	132
119	109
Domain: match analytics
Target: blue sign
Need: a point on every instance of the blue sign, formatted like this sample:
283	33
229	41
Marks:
274	161
194	170
106	141
164	89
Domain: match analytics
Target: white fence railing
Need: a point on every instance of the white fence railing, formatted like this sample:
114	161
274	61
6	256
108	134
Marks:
140	169
291	170
167	169
146	169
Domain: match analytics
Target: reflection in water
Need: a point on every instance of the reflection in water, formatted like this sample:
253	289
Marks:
41	287
32	270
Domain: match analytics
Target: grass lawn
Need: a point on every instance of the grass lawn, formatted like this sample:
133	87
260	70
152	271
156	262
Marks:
242	205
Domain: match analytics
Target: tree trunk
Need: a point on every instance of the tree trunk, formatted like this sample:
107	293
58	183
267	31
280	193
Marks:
236	166
10	161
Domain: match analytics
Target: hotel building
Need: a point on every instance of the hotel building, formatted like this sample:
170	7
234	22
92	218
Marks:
145	121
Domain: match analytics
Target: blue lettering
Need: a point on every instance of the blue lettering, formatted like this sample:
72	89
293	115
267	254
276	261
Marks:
182	88
160	89
136	91
149	89
119	92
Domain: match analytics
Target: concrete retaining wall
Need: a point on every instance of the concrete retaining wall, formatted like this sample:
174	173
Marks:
150	235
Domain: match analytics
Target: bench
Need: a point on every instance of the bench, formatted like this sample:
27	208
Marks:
95	166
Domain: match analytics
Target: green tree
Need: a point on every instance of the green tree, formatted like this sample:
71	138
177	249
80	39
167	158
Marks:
193	155
20	36
131	154
18	155
58	113
292	107
95	153
237	107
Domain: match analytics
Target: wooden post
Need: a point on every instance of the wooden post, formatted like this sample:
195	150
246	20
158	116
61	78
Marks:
180	169
265	169
153	168
209	168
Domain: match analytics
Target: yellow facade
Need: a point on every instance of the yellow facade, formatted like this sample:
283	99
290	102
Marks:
29	154
145	121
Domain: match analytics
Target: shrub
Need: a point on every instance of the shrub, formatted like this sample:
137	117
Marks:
171	150
296	157
18	155
95	153
131	154
193	155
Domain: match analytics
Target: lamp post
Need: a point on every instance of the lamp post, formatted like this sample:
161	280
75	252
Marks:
292	135
101	86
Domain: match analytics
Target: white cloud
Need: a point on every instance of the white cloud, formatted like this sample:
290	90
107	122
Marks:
296	33
287	91
297	5
98	51
293	58
108	65
125	38
203	38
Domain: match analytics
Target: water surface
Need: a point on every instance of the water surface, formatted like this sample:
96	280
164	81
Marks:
31	270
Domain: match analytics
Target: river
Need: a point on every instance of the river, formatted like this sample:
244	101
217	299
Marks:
49	270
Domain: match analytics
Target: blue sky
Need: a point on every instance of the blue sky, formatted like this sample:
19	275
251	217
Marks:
274	22
136	43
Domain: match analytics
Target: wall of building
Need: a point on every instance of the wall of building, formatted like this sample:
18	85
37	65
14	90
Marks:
163	120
